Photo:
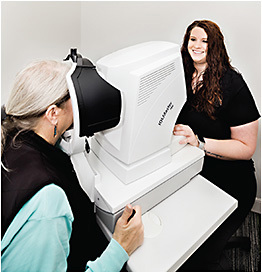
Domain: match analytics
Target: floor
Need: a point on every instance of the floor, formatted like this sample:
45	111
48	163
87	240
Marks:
248	261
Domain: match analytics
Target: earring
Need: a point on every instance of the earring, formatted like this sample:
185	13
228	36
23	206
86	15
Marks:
55	131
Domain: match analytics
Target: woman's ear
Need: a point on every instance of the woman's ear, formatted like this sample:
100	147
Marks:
52	114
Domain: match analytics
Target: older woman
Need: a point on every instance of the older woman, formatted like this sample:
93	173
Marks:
220	117
48	222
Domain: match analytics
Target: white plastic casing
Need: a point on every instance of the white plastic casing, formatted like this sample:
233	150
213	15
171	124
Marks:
150	77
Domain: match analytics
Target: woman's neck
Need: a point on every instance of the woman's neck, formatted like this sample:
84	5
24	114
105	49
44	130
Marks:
46	130
200	68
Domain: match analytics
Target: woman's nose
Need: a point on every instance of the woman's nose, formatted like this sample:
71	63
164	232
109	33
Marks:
197	44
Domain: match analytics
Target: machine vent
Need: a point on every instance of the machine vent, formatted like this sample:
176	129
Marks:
150	82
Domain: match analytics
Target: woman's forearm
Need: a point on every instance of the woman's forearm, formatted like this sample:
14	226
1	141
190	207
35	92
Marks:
228	149
241	145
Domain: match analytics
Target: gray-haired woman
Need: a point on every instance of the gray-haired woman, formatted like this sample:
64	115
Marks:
48	222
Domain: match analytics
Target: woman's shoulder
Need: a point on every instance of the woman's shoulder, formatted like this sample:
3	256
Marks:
50	202
232	77
232	82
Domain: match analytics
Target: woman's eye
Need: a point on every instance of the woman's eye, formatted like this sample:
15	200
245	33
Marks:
192	39
205	41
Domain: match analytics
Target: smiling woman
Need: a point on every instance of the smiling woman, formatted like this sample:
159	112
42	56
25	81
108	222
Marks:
206	37
197	46
221	118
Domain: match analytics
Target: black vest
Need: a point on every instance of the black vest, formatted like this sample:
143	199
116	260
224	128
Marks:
33	164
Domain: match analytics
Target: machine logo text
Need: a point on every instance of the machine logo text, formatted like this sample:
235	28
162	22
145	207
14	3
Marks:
169	107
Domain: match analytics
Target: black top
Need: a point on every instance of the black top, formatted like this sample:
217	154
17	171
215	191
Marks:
236	177
238	108
33	164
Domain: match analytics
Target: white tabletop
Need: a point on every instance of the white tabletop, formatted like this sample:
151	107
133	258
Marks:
176	227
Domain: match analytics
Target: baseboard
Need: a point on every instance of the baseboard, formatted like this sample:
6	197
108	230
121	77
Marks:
257	206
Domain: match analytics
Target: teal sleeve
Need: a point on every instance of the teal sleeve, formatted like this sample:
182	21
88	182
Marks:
38	238
112	259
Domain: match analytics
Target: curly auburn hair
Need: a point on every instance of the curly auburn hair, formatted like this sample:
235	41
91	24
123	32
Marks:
208	95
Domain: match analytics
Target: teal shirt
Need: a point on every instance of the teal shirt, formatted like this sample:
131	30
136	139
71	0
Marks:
38	237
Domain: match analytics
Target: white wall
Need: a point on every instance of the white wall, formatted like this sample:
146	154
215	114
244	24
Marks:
33	30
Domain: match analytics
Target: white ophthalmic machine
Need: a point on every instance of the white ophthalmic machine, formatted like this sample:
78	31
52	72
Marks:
128	105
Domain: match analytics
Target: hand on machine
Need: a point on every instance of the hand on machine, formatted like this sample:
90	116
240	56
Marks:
129	230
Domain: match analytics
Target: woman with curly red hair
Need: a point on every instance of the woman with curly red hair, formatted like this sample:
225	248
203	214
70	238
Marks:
221	118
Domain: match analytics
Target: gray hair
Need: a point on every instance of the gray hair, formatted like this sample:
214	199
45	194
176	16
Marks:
37	86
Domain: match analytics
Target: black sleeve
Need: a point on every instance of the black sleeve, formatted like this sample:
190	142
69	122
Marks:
242	108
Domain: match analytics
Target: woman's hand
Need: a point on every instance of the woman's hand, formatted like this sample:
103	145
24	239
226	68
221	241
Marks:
129	233
187	132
